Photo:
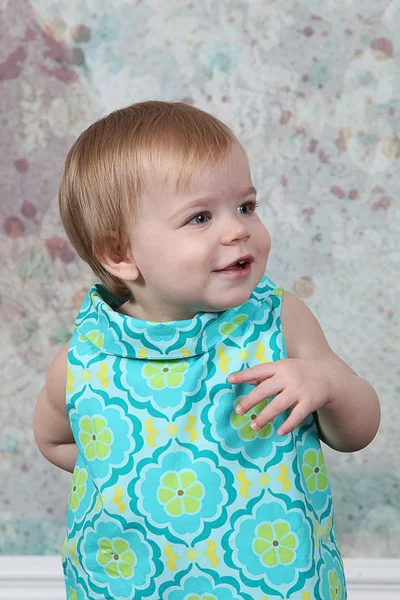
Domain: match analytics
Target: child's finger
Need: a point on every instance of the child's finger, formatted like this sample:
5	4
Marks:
259	372
280	403
295	418
264	390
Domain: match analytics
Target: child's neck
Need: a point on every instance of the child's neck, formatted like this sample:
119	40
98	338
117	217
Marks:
131	308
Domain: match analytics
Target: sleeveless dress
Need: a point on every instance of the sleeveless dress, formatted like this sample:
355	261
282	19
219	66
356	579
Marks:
174	496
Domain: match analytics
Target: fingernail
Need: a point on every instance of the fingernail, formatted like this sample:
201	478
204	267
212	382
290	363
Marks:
239	409
254	425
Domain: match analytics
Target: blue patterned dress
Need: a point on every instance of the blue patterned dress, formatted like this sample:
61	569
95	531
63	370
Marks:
174	496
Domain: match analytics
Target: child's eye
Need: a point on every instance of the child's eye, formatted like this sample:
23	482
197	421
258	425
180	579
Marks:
199	219
249	207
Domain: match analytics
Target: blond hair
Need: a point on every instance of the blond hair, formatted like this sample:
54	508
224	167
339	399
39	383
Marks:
105	173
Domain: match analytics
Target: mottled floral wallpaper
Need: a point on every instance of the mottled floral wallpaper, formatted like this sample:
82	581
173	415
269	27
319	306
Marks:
312	90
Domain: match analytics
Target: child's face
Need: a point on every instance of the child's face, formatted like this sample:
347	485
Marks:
183	241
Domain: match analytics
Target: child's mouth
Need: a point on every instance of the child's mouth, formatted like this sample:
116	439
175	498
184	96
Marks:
239	265
241	268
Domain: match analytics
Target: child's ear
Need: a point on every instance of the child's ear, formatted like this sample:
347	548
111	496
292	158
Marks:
119	263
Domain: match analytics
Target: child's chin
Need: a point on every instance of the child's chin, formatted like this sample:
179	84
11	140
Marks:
236	300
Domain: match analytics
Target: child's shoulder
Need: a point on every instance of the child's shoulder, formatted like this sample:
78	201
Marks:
57	371
303	335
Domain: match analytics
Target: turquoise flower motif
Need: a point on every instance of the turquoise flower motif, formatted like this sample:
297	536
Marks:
93	425
204	588
181	492
82	493
119	561
84	347
267	545
232	432
73	590
313	475
164	382
156	334
99	331
332	584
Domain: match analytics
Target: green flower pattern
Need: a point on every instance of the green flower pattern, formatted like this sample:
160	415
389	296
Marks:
335	587
174	495
275	543
165	374
95	337
116	557
181	493
242	423
314	471
202	597
95	437
78	488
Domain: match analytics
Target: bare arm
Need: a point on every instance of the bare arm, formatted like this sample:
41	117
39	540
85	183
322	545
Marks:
350	418
51	427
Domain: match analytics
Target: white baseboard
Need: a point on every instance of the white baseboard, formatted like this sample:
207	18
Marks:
40	578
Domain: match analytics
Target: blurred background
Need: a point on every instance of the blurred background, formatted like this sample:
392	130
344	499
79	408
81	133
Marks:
312	91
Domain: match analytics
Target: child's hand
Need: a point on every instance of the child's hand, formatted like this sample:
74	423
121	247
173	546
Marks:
304	385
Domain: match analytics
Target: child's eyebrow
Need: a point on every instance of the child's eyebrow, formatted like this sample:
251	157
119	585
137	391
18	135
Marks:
206	199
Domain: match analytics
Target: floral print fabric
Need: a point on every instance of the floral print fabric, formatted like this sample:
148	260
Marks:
174	496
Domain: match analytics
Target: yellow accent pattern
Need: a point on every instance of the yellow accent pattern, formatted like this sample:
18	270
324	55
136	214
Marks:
320	532
118	500
211	554
172	429
224	360
171	556
102	375
151	438
329	528
246	483
305	595
278	292
244	354
190	428
73	553
264	479
86	375
64	548
185	352
70	381
260	354
142	353
192	554
100	502
283	477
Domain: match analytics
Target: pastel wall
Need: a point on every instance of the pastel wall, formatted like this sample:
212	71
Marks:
311	88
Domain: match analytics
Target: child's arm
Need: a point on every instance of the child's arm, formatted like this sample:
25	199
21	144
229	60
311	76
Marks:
313	380
51	427
350	418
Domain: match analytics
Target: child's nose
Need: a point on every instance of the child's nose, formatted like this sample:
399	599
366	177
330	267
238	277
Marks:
235	231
